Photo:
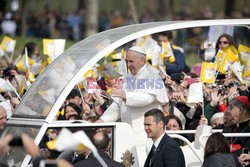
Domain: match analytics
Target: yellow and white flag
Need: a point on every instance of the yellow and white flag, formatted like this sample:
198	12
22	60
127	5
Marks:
237	69
166	51
5	86
25	63
8	44
53	47
67	140
244	53
227	61
246	70
22	82
219	58
2	98
207	72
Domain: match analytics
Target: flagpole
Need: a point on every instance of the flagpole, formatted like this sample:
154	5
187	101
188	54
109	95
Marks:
12	53
27	61
99	158
80	92
216	74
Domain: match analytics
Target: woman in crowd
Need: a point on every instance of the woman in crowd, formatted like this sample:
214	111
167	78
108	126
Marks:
73	112
224	41
217	152
173	123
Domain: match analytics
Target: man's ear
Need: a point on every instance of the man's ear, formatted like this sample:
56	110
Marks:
161	124
143	60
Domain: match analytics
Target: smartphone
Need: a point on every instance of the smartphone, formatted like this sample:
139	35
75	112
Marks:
177	76
16	141
47	163
245	150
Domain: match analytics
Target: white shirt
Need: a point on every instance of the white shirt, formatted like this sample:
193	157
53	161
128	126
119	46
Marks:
157	142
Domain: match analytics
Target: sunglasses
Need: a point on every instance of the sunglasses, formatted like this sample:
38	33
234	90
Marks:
224	42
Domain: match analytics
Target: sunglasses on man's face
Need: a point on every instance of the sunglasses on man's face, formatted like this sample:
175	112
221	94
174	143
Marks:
223	42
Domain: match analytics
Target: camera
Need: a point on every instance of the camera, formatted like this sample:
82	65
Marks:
16	141
209	45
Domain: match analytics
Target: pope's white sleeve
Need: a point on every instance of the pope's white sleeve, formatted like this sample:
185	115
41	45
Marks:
112	114
139	99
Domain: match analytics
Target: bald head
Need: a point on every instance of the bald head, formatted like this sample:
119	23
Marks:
101	141
3	117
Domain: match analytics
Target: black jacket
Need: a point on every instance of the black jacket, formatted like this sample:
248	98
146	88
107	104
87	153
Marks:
167	154
91	161
221	160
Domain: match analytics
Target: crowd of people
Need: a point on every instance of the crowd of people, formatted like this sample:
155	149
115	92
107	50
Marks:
54	24
226	103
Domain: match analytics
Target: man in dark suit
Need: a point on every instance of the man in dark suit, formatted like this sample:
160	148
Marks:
165	152
101	142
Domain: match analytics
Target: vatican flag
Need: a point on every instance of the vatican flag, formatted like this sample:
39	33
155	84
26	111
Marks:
208	72
246	70
5	86
237	69
219	58
24	64
166	51
53	47
244	52
8	44
67	140
227	61
22	82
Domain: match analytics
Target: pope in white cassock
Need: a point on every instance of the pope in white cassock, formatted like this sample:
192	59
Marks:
143	90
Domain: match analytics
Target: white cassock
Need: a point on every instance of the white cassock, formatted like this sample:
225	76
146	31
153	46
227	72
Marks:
144	92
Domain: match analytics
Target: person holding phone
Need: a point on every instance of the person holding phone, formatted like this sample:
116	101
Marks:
244	158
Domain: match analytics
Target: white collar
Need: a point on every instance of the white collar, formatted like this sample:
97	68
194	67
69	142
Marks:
157	142
141	70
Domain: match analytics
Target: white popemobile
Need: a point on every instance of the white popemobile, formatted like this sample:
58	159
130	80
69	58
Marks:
35	113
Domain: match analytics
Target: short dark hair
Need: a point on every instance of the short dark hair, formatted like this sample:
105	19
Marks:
168	34
101	143
157	114
74	93
216	143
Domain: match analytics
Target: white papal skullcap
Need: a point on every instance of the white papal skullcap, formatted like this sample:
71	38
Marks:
138	49
216	116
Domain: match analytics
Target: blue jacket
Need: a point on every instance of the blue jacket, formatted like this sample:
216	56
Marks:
179	65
